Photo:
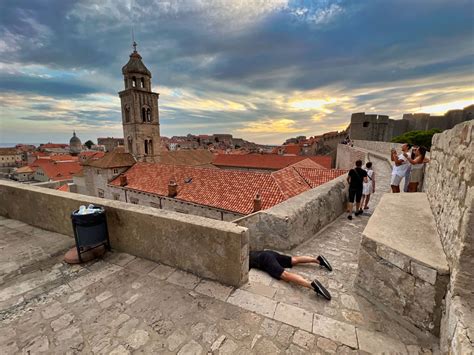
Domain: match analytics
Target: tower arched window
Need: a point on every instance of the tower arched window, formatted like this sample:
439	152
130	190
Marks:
127	113
148	115
134	82
130	144
148	147
143	114
142	83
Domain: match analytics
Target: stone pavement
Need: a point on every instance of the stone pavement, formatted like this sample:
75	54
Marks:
123	304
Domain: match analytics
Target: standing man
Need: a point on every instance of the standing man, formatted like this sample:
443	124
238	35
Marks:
400	168
356	178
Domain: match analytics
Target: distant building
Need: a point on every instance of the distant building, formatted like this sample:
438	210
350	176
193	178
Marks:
110	143
373	127
75	144
10	157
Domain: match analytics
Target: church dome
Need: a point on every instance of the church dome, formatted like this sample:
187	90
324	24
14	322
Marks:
135	65
75	145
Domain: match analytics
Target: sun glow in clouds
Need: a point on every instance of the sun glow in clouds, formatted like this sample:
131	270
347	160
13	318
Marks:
282	125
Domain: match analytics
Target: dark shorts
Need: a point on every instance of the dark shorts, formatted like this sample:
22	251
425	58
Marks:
272	262
355	194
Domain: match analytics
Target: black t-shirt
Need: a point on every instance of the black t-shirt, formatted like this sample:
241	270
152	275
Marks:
357	178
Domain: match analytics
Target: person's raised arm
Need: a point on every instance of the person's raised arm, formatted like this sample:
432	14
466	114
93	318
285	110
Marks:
397	161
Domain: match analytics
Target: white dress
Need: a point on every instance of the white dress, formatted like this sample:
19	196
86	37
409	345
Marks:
368	186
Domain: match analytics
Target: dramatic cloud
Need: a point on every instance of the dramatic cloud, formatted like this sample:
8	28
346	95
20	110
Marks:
261	69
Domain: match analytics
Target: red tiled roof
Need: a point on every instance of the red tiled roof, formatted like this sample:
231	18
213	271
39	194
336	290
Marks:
316	177
115	159
266	161
9	151
25	170
292	149
225	189
53	145
63	157
57	170
229	190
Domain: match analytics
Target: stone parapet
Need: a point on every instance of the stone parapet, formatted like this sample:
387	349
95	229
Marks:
297	219
211	249
401	262
377	146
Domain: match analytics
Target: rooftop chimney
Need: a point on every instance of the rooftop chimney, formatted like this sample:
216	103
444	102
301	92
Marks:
123	180
257	203
172	188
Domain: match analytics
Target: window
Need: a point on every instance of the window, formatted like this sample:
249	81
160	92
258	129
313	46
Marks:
100	193
148	115
146	147
116	197
142	82
134	82
130	144
143	114
134	200
127	113
365	124
116	171
97	172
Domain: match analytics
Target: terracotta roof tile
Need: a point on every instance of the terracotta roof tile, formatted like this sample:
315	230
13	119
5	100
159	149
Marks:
316	177
57	170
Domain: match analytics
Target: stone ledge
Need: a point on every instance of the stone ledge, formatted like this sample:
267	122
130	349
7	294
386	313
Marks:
401	262
404	224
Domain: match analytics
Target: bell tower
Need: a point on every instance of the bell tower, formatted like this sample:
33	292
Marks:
140	117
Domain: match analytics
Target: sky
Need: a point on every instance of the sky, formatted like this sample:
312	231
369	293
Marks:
262	70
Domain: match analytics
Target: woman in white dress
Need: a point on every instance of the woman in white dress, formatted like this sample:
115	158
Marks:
368	187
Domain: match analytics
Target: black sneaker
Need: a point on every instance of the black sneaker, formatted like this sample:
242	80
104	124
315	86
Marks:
359	212
349	217
320	290
323	262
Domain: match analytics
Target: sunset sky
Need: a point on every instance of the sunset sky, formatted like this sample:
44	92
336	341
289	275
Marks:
263	70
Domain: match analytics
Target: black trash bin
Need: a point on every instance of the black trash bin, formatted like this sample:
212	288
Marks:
90	230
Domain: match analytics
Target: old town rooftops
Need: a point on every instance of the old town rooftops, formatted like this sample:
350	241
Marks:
229	190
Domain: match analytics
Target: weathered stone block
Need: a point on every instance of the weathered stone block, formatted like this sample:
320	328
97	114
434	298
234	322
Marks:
422	272
392	256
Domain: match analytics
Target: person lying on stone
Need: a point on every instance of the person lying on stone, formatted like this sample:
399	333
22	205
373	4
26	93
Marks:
275	264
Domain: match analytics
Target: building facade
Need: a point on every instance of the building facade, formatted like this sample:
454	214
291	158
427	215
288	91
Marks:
140	116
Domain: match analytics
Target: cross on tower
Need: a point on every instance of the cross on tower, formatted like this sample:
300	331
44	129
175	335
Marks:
134	46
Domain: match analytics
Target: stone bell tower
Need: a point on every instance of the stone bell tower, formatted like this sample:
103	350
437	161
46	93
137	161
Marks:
140	117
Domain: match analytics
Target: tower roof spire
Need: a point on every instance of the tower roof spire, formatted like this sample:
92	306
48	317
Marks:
134	45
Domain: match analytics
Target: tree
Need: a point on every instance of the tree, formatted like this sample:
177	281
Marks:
89	144
420	138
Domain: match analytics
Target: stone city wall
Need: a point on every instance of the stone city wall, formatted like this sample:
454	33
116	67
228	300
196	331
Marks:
449	184
377	146
347	156
297	219
211	249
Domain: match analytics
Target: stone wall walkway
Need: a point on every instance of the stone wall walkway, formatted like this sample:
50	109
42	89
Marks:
124	305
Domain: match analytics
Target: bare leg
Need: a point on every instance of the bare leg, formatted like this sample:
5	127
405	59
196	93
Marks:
295	278
395	189
413	187
357	206
295	260
362	200
366	200
349	207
